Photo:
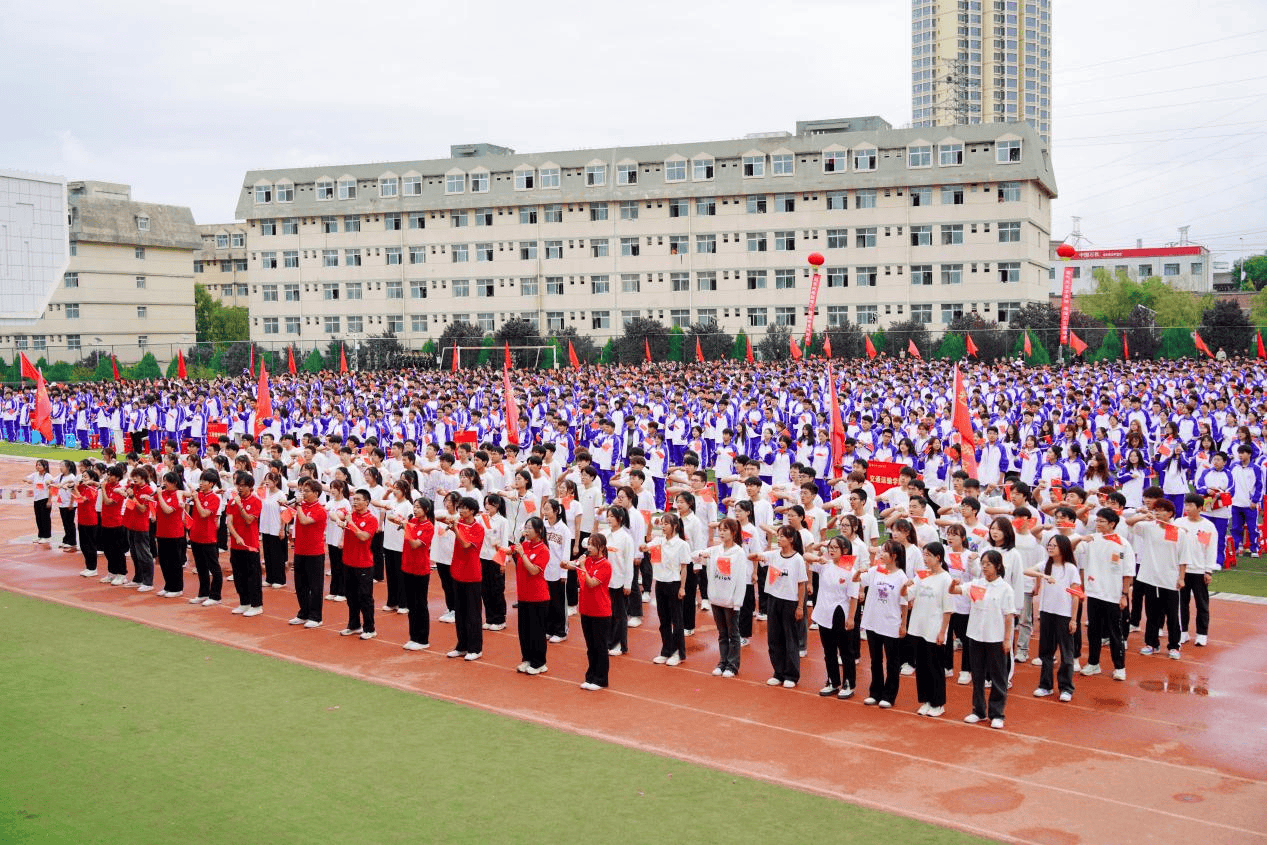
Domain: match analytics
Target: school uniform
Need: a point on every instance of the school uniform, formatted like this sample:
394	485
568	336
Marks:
415	575
784	575
559	541
1105	560
358	562
244	550
467	573
136	519
595	610
1055	610
310	560
836	589
86	522
729	574
931	602
987	625
534	601
882	620
170	533
202	539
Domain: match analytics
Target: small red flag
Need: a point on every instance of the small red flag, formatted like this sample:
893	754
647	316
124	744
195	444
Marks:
796	349
646	347
1201	345
455	357
747	349
290	360
252	360
42	419
913	349
699	353
343	358
1029	348
972	347
572	359
114	363
871	353
181	372
1076	343
826	346
1262	353
29	371
263	399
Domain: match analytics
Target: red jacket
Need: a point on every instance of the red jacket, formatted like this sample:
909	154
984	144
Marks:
595	601
203	529
357	552
466	559
310	539
417	561
534	587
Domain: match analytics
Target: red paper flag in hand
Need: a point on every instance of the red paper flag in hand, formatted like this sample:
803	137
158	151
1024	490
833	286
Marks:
826	346
454	366
837	426
972	347
1029	347
870	347
263	400
42	419
180	364
252	369
29	371
796	350
1076	343
1201	345
572	359
646	347
290	360
1262	353
343	358
114	363
913	349
747	349
963	424
699	353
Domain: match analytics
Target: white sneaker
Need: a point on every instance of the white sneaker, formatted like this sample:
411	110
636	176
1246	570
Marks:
107	578
728	674
456	653
923	709
522	667
557	639
688	632
635	622
1202	640
717	671
172	595
369	635
1076	667
813	626
673	661
1041	693
646	598
341	598
145	588
1066	696
388	608
744	641
773	682
885	705
350	632
198	599
972	718
1174	654
997	724
1090	669
1183	638
402	611
473	655
934	712
254	611
312	623
500	626
908	669
615	652
1119	674
705	605
660	659
949	673
87	573
484	625
210	602
868	701
162	594
572	612
296	621
789	684
1147	650
590	687
447	616
240	609
1037	661
964	679
537	670
803	652
845	692
760	617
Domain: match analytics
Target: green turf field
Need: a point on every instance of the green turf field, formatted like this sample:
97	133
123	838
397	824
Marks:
115	732
1249	578
52	453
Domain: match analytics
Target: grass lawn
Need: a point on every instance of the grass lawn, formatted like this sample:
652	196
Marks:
1249	578
52	453
121	733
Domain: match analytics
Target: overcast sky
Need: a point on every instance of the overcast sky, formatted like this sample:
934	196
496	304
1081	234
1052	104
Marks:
1160	107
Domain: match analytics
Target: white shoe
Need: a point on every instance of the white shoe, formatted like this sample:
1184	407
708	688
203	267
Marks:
522	667
210	602
1202	640
972	718
1148	650
1041	693
673	661
537	670
145	588
387	608
760	617
572	612
1037	661
1090	669
87	573
964	679
341	598
590	687
1183	638
636	622
803	652
705	605
615	652
558	639
1119	674
447	616
198	599
312	623
885	705
500	626
254	611
240	609
868	701
350	632
1076	667
688	632
908	669
744	641
845	693
660	659
997	724
934	712
278	586
456	653
402	611
949	673
773	682
728	674
923	709
172	595
813	626
646	598
1174	654
162	594
369	635
296	621
1066	696
107	579
484	625
473	655
717	671
789	684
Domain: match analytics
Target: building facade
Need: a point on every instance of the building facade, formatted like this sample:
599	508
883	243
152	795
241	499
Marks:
1185	267
220	263
128	286
915	223
981	61
34	246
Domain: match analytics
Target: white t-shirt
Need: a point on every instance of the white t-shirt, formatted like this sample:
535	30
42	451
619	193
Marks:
729	574
559	542
835	588
988	616
784	575
1054	598
930	601
674	554
883	611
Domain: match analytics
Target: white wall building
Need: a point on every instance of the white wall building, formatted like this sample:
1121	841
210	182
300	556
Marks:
34	245
1184	267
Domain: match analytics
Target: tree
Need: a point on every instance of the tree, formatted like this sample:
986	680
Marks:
1110	349
630	345
609	351
379	352
776	345
901	334
846	340
587	351
485	355
675	344
740	350
518	332
952	347
146	368
1038	356
314	363
1255	269
1225	326
880	340
1088	328
991	340
1043	322
714	343
104	371
1258	308
1117	297
461	333
1141	333
1176	343
216	323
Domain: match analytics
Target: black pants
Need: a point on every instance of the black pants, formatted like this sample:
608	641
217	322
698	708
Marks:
338	572
989	663
727	621
597	631
1161	603
669	609
43	520
466	616
958	628
633	601
618	631
247	579
493	588
1053	632
1137	603
171	560
886	666
415	590
1194	587
395	592
274	549
310	579
763	601
207	564
557	613
114	544
1104	620
376	550
446	586
836	655
532	632
142	557
747	612
68	526
688	600
930	673
360	584
785	655
88	548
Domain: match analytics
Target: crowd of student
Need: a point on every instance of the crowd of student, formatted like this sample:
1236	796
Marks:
1099	495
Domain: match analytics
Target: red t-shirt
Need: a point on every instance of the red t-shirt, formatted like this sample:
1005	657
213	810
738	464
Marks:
466	559
202	529
170	525
595	601
417	561
239	509
357	552
112	506
85	505
137	516
310	540
533	587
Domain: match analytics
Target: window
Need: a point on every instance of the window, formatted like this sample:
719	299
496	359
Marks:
595	175
920	155
242	290
868	315
706	207
527	250
455	183
418	322
1008	311
1007	152
199	266
352	223
784	202
706	244
417	255
553	213
756	242
142	340
1170	269
757	318
706	281
483	216
459	219
679	318
554	249
782	164
71	280
554	321
864	236
629	210
347	189
679	244
837	200
702	169
290	293
331	325
239	265
952	195
754	165
395	289
461	287
952	234
330	290
679	208
528	286
866	276
675	171
626	174
951	311
629	283
864	159
549	177
268	227
237	240
600	320
837	315
292	325
391	222
1010	232
142	312
285	192
525	180
222	241
951	274
479	182
1145	270
921	197
329	224
268	261
784	279
784	241
270	293
785	315
290	226
599	247
351	258
950	155
395	323
388	187
600	285
263	194
756	279
629	246
837	277
20	341
598	211
921	236
680	282
325	189
835	161
922	274
757	204
413	186
139	252
72	311
1010	192
460	253
1009	272
73	343
270	325
483	252
142	223
528	215
865	198
1198	268
484	321
417	289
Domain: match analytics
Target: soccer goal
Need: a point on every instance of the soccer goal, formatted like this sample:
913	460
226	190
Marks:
536	357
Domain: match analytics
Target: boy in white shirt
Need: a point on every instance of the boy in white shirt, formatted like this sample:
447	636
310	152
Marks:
1201	555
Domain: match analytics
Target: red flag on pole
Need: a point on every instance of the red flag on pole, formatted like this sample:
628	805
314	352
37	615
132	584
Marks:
263	400
699	353
747	349
972	347
826	346
963	424
1076	343
1029	348
42	419
512	408
252	360
114	363
181	372
1126	348
454	366
913	349
572	359
837	427
290	360
506	364
871	353
646	347
1201	345
796	349
1262	353
28	369
343	358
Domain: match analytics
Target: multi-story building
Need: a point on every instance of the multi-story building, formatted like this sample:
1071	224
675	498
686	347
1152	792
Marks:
915	223
34	246
220	263
1185	267
981	61
128	287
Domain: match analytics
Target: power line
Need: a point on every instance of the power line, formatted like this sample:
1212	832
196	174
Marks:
1221	40
1165	106
1168	67
1172	90
1166	131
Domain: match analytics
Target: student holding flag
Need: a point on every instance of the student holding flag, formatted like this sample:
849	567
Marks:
1059	597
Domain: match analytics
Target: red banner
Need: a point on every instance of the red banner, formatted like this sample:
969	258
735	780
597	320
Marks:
883	475
1066	303
813	302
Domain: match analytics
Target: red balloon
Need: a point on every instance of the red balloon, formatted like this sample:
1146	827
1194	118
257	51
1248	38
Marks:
1066	251
816	259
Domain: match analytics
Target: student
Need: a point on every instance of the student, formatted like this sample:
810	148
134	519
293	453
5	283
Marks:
594	576
961	563
1056	612
530	558
729	573
415	572
1162	570
831	613
358	560
65	492
442	553
311	522
467	572
884	620
41	484
242	521
1201	555
559	541
989	636
786	581
398	512
204	517
338	508
273	497
620	555
136	519
493	573
670	563
170	531
929	621
87	490
1107	562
